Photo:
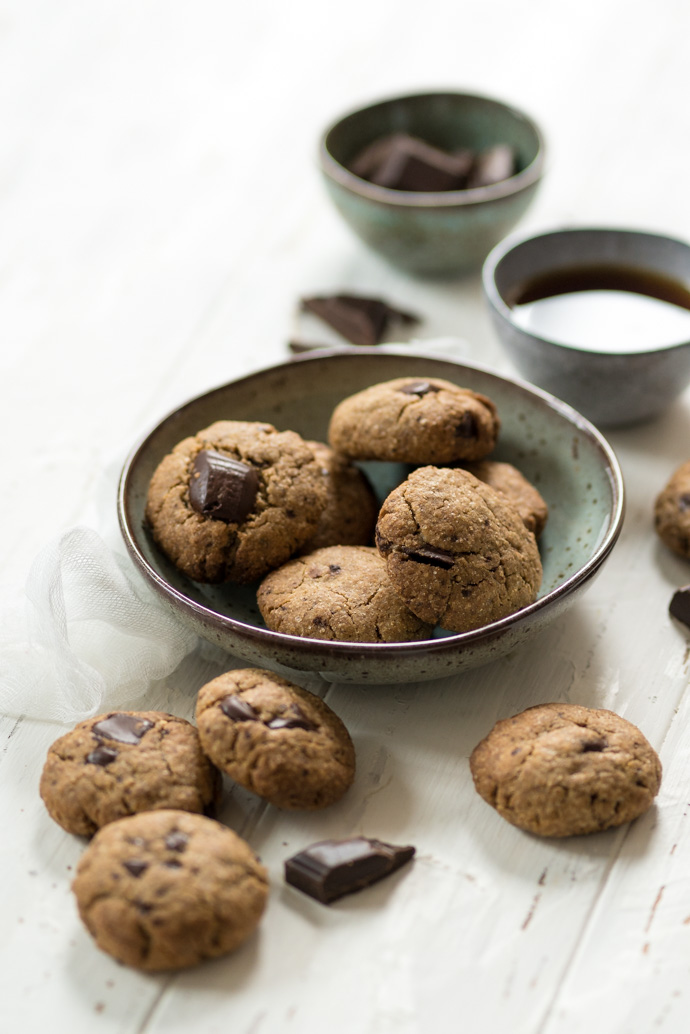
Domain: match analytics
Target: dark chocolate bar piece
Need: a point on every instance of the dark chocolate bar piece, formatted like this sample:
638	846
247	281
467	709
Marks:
332	868
679	606
125	728
492	165
404	162
361	320
222	487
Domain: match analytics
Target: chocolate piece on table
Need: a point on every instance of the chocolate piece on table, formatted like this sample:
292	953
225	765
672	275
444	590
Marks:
361	320
332	868
679	606
297	347
125	728
492	165
221	487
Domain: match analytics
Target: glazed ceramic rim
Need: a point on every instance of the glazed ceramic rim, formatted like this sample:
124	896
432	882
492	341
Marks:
515	241
406	199
336	651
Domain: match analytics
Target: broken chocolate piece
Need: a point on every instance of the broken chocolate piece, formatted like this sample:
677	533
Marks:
404	162
176	840
331	868
418	388
101	756
492	165
679	608
136	867
362	321
222	488
238	709
125	728
294	719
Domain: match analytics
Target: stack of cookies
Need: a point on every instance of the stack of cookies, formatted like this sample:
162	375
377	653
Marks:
453	545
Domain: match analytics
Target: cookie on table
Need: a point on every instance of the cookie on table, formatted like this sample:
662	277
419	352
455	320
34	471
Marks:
672	512
125	762
338	593
277	740
349	517
415	420
166	889
507	479
235	500
456	551
561	770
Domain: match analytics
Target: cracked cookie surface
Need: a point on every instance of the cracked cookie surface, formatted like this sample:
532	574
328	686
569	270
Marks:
339	593
521	493
349	516
456	551
125	762
562	770
415	420
672	512
278	492
275	739
166	889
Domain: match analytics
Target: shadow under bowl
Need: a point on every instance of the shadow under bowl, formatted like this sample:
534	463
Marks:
557	449
611	388
442	233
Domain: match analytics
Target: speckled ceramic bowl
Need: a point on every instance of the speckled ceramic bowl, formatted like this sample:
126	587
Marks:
446	233
611	388
556	448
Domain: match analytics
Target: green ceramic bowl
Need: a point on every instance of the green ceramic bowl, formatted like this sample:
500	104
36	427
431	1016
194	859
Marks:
556	448
446	233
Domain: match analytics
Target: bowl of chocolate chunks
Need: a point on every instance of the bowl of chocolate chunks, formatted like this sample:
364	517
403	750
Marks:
433	181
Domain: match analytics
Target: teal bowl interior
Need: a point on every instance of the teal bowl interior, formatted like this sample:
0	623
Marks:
442	233
556	449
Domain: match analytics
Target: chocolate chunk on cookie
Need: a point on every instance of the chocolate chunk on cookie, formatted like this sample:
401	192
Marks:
340	593
349	517
672	512
414	420
125	762
235	501
165	890
456	551
275	739
507	479
561	770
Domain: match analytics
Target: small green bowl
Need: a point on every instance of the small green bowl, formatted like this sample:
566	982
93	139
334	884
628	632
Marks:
445	233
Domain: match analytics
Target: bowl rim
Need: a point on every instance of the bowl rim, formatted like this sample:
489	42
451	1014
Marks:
516	240
407	199
333	651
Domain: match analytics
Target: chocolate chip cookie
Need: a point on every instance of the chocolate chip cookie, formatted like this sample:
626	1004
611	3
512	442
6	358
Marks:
341	593
275	739
351	508
672	512
235	501
125	762
413	420
166	889
507	479
456	551
560	770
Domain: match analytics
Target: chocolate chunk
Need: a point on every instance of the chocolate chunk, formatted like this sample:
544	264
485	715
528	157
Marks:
238	709
296	720
679	607
176	840
125	728
404	162
135	867
297	347
493	165
430	555
594	745
362	321
331	868
684	502
222	488
101	756
418	388
467	428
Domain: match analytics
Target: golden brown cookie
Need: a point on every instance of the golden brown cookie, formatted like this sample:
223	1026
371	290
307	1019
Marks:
456	551
672	512
125	762
560	770
235	501
275	739
166	889
341	593
414	420
507	479
349	517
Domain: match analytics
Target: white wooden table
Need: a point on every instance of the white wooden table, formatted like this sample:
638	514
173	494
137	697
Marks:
160	215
